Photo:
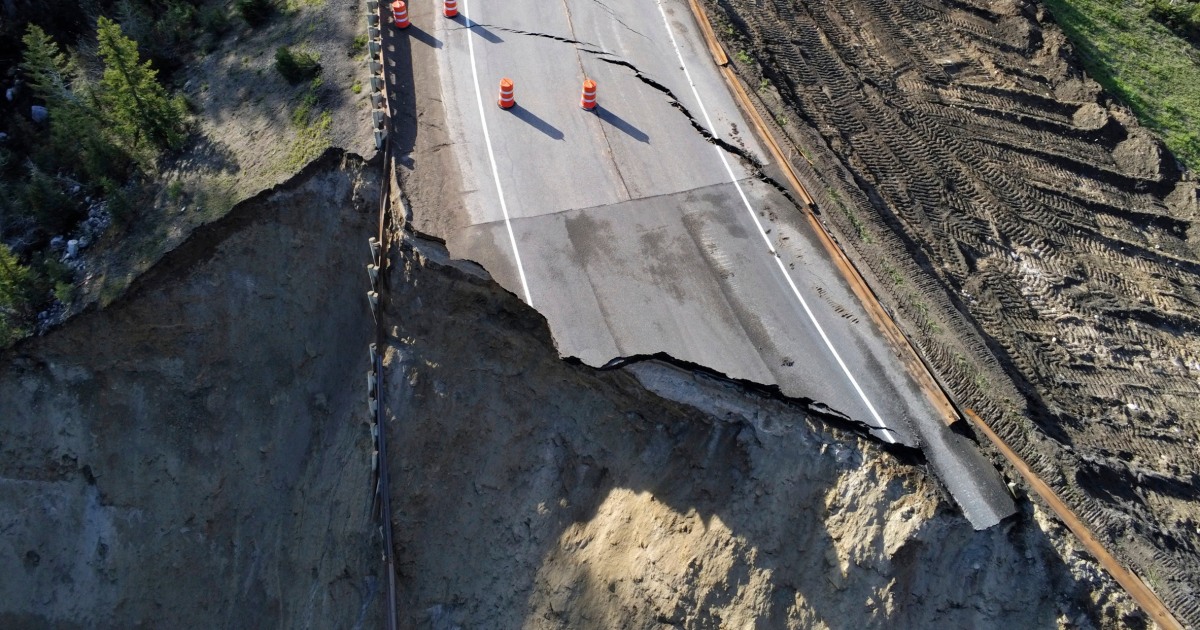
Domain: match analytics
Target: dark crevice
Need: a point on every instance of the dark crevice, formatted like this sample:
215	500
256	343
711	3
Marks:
816	409
618	20
515	31
749	161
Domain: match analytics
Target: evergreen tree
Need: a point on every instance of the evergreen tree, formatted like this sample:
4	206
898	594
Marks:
78	141
46	67
15	288
136	104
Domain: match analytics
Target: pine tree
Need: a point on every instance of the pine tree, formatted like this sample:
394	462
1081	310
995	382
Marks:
136	104
46	67
15	288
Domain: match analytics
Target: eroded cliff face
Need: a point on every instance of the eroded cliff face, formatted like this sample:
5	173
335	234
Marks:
197	454
194	455
531	492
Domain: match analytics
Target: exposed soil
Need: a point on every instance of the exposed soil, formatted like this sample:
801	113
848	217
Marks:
531	492
1034	241
197	453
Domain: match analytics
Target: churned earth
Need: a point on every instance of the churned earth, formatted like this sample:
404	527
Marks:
1036	243
197	451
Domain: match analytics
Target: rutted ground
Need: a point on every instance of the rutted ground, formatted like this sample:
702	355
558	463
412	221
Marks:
1037	242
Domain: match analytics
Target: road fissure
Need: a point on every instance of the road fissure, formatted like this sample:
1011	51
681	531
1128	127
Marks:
767	239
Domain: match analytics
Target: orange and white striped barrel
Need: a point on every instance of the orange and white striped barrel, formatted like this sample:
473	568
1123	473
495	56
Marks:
588	100
506	94
450	9
400	14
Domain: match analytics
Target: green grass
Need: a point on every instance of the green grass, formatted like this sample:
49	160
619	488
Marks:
859	226
312	129
1153	70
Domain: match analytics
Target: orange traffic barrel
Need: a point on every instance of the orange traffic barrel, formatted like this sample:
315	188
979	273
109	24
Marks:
506	93
588	100
450	9
400	14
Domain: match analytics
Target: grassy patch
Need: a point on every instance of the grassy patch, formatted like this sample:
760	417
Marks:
215	197
893	273
927	322
859	227
1153	70
296	65
358	45
312	129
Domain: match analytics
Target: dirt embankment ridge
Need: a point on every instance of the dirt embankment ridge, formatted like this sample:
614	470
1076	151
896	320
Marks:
1037	243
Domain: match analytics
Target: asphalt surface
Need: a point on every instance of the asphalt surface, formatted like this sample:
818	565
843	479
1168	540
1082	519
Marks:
634	234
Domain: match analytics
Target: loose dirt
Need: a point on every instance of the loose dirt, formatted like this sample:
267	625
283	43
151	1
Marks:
1035	243
531	492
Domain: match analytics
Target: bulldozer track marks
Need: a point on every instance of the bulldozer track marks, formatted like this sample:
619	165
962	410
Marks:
1046	279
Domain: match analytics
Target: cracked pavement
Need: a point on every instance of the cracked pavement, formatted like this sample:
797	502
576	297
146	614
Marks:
648	226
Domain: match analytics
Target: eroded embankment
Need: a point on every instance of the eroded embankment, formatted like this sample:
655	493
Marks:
533	492
196	454
1037	244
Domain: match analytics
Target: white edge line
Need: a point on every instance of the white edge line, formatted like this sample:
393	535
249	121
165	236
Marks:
886	433
487	138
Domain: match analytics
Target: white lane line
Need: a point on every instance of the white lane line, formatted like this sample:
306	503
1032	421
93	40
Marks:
487	138
887	434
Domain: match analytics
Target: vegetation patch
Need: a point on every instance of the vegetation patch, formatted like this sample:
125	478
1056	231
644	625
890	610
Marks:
296	66
1152	69
255	12
95	131
859	227
312	129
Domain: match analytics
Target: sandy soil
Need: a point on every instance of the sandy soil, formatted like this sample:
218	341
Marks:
1035	242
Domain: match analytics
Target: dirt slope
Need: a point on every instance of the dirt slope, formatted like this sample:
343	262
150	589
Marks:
196	455
1037	243
531	492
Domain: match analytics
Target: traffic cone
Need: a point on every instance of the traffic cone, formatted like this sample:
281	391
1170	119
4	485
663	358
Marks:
588	100
400	14
450	9
506	94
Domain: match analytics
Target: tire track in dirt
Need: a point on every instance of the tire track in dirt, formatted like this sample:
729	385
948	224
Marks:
1037	244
